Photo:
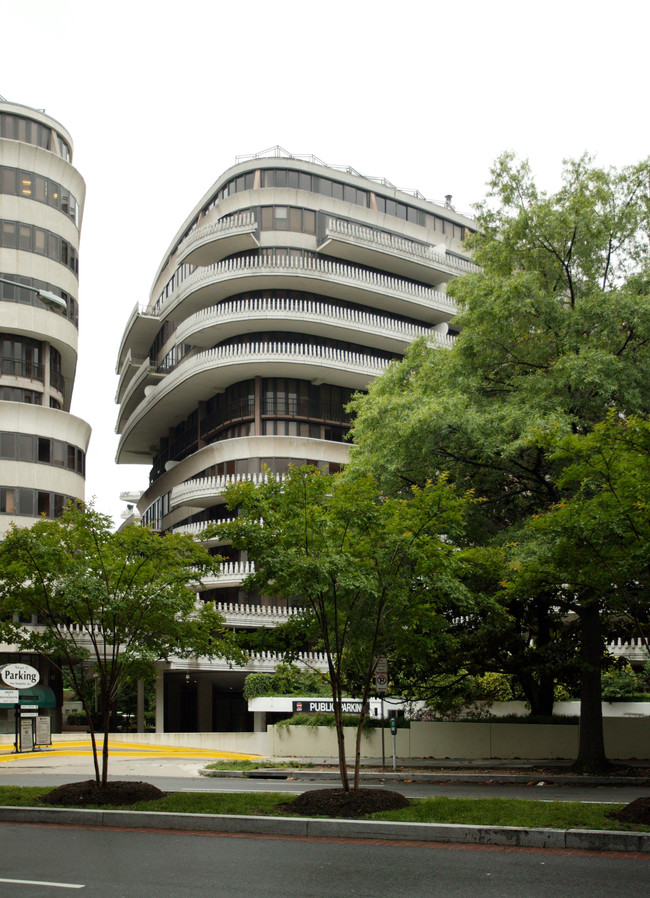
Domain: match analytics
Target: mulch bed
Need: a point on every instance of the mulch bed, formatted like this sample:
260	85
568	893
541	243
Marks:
637	811
338	803
115	792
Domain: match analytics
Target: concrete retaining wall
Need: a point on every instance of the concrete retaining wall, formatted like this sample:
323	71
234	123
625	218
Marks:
624	738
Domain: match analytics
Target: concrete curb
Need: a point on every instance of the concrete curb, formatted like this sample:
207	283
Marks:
511	836
494	777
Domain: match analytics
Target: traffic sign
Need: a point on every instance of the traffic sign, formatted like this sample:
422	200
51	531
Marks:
381	682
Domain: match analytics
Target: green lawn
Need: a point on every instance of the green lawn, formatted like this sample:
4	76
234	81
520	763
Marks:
486	811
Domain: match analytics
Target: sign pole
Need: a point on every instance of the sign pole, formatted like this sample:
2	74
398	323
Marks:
383	727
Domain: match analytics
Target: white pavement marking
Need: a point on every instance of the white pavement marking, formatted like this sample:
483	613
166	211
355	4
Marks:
38	882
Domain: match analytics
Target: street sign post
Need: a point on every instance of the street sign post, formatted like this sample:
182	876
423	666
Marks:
381	687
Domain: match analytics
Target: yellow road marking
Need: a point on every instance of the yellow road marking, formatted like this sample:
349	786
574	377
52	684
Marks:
123	750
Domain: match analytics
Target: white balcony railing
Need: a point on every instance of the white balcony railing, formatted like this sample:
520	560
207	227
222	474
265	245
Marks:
242	222
197	529
365	367
634	649
282	308
436	256
314	269
212	487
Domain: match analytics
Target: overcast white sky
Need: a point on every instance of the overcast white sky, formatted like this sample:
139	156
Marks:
161	96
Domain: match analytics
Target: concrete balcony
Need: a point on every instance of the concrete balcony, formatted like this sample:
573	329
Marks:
217	323
210	243
130	365
633	649
198	377
196	530
254	616
135	390
206	286
377	249
139	334
257	662
205	491
231	573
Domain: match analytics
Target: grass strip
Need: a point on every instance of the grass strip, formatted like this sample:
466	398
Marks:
253	765
469	811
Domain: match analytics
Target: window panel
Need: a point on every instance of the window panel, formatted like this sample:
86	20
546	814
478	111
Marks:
7	445
309	221
7	500
26	447
9	234
44	450
25	502
40	241
8	181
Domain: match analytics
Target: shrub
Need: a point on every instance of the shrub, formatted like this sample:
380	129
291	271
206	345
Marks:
287	679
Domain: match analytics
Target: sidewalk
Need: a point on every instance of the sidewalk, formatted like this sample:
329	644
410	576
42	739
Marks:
304	827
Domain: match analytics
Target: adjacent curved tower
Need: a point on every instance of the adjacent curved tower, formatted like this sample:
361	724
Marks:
42	446
290	286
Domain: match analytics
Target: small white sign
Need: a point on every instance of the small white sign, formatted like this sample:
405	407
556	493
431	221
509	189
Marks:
26	735
9	696
43	731
19	676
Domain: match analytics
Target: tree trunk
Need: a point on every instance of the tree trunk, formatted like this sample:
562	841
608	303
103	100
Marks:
591	752
93	740
540	693
107	717
357	743
340	740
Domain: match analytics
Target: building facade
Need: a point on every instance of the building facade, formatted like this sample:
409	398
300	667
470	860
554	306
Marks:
289	287
42	446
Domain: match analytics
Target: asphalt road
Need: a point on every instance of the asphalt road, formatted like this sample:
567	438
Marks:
166	777
65	860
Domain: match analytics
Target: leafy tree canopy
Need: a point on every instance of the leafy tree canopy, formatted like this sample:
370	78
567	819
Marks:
114	601
554	334
365	568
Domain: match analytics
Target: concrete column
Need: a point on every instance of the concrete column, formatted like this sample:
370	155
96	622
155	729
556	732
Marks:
259	721
160	701
139	716
204	705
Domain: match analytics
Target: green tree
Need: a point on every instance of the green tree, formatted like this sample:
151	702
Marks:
364	567
554	332
114	601
592	548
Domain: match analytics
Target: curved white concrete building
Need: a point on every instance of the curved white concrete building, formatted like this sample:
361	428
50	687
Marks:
42	446
289	286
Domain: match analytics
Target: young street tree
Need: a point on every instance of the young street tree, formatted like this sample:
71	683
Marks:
112	601
364	568
555	332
